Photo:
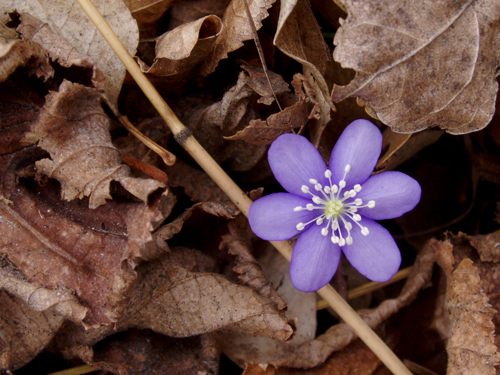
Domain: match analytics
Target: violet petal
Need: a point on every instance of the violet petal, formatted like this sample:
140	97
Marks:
394	193
272	217
294	160
376	255
358	146
314	260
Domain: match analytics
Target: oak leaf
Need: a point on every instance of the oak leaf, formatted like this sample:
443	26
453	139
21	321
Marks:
422	66
74	129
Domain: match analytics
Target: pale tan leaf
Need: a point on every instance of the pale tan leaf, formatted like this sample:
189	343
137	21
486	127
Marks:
68	20
181	51
74	129
471	348
422	65
177	295
148	11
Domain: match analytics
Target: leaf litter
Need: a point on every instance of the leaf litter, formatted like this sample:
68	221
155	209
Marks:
102	263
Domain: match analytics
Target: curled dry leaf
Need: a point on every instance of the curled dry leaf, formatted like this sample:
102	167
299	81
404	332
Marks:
257	80
471	347
488	246
422	66
176	296
74	129
315	352
16	52
236	30
67	19
183	50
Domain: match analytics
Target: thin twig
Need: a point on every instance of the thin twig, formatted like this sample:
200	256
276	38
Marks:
79	370
369	287
184	137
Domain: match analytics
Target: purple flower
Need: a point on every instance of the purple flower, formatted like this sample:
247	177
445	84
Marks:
333	208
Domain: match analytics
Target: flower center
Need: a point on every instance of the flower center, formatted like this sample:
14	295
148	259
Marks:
335	207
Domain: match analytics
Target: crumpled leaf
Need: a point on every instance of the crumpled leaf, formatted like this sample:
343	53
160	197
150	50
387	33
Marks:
74	129
257	80
315	352
148	11
16	52
67	19
187	356
176	296
488	246
236	30
183	50
422	66
301	308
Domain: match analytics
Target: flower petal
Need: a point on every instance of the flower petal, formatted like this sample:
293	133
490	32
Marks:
314	260
394	193
376	255
358	146
294	160
272	217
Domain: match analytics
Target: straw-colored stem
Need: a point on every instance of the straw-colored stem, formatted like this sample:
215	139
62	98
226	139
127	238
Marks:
369	287
239	198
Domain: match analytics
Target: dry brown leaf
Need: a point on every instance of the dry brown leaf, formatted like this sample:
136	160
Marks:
257	80
25	332
16	52
488	246
67	19
471	347
74	129
425	65
154	354
148	11
177	296
182	51
186	11
315	352
236	30
301	308
261	132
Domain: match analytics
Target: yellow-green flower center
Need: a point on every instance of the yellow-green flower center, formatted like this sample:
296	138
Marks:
333	208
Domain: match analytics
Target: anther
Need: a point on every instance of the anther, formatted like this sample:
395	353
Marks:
320	221
324	231
347	168
348	240
335	189
347	194
348	225
304	189
357	188
365	231
327	189
317	199
318	187
352	193
342	184
300	226
356	217
358	201
371	204
313	181
341	242
309	206
335	239
328	173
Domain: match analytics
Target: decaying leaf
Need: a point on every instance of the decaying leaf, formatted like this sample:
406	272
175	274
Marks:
69	21
183	50
471	347
74	129
422	66
488	246
148	11
178	296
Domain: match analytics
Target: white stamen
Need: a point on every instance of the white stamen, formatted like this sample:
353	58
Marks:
335	224
318	187
310	206
365	231
327	189
298	209
371	204
348	240
348	225
335	189
313	181
324	231
356	217
317	199
304	189
328	173
358	201
342	242
352	193
347	168
347	194
320	221
352	209
300	226
342	184
357	187
335	239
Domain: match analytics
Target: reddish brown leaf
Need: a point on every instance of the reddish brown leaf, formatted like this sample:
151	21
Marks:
257	80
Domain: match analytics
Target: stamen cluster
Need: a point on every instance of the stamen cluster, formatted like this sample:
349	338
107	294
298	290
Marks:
336	208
